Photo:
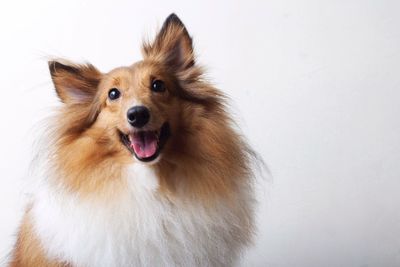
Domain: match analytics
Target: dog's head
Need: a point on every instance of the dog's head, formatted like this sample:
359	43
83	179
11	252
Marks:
159	110
142	107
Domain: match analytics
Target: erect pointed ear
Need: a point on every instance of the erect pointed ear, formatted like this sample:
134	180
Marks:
172	45
75	84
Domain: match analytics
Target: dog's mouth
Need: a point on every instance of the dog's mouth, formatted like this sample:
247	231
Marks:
146	145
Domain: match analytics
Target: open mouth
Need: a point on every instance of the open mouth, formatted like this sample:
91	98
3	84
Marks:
146	145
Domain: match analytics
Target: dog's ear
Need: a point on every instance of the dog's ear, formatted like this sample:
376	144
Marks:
172	45
74	84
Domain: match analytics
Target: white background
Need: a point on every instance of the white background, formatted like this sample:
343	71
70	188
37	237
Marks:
314	86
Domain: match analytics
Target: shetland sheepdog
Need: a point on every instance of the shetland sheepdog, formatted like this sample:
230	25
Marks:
143	167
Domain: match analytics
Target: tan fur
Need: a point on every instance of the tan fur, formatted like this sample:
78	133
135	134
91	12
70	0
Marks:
205	157
28	250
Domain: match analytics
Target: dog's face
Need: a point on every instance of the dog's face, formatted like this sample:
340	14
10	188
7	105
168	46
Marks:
140	103
137	107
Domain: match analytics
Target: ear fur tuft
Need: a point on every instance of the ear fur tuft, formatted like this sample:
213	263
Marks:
74	83
172	46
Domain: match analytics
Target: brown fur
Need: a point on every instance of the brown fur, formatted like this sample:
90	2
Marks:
28	250
205	157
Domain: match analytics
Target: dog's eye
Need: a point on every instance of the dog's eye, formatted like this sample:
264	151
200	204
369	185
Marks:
114	93
158	86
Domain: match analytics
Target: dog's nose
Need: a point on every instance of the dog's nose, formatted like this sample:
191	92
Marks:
138	116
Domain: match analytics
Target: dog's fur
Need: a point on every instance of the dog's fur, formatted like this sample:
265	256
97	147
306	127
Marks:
100	206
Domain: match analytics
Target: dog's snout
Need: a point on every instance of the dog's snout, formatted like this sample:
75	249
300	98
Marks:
138	116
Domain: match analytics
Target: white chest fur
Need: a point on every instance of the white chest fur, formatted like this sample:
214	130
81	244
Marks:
140	229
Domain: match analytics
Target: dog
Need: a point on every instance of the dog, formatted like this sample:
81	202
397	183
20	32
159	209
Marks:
144	166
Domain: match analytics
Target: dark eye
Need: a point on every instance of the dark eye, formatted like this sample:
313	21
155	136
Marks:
114	93
158	86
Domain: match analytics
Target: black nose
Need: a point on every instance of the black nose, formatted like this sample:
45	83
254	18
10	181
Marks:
138	116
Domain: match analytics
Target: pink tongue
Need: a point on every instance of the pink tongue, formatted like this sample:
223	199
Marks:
144	144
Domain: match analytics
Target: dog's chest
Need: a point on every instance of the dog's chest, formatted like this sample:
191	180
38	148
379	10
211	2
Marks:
140	229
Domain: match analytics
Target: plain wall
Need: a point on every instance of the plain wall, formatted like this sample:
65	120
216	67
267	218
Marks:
314	86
